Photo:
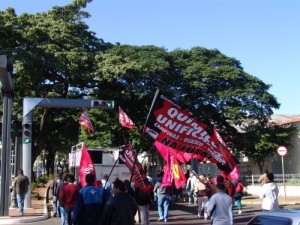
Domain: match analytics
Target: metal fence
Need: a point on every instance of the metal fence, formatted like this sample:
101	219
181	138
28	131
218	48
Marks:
278	178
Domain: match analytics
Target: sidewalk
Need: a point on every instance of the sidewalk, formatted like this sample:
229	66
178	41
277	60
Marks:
38	212
289	200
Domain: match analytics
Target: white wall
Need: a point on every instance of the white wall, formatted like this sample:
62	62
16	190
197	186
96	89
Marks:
291	190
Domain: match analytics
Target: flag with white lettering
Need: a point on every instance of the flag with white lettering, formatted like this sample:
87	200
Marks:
86	166
125	121
169	124
85	121
139	177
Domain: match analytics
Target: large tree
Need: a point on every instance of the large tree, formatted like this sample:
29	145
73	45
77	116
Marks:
54	54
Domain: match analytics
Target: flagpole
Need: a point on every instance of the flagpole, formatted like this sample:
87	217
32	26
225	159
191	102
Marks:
142	133
111	172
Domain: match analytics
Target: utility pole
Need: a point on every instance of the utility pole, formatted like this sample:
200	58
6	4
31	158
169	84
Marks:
7	96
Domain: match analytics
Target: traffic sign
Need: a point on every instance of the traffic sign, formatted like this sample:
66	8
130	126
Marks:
282	150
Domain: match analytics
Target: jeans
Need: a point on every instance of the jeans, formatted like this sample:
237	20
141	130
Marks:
68	215
54	205
20	200
163	202
144	212
62	215
192	197
238	202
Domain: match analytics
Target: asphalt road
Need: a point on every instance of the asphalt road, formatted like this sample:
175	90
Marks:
182	213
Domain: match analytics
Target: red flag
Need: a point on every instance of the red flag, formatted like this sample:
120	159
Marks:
178	175
84	120
225	151
86	166
125	121
138	175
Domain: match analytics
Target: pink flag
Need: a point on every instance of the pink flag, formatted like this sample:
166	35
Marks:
234	174
168	175
183	157
84	120
86	166
172	169
125	121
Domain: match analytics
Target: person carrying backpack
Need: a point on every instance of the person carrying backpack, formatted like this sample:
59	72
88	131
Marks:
238	195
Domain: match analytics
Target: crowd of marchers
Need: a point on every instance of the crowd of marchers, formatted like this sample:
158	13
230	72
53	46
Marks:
120	203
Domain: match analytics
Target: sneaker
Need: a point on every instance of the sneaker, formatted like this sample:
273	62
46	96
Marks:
240	211
166	220
199	215
160	219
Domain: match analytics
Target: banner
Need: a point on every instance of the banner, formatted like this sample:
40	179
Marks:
85	121
125	121
86	166
176	128
138	175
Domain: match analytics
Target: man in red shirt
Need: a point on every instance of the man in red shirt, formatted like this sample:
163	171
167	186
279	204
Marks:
67	197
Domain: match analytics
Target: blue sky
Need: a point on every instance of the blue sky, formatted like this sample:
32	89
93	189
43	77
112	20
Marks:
263	35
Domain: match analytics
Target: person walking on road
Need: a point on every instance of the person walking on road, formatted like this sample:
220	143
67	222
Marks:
121	208
143	199
163	201
60	204
269	194
67	196
201	190
219	207
263	178
54	188
238	194
190	186
21	184
89	203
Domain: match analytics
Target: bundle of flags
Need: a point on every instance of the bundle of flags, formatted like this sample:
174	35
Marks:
178	138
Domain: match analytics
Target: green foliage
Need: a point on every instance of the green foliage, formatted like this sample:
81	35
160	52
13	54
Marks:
259	141
293	180
56	56
35	195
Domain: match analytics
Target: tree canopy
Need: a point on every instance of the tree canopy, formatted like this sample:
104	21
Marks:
56	55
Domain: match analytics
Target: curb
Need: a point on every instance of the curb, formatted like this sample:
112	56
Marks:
28	219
